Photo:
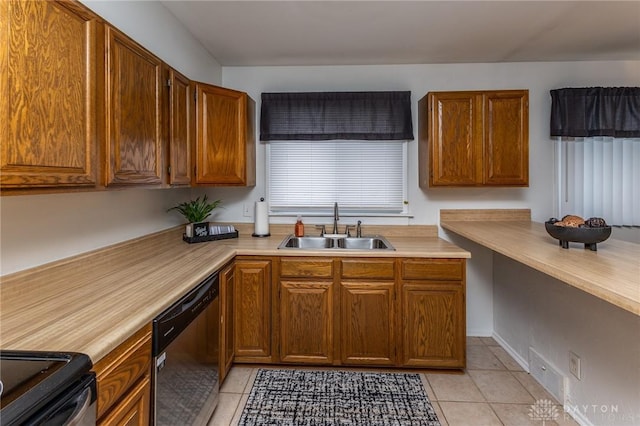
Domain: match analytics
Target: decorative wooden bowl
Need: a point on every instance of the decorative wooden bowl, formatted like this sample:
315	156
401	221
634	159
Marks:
588	236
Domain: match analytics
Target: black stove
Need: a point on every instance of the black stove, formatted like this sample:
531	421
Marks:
39	387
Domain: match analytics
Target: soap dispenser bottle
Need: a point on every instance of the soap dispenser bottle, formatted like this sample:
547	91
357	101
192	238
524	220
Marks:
299	228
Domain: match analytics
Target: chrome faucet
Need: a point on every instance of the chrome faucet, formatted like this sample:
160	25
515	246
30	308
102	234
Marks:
336	218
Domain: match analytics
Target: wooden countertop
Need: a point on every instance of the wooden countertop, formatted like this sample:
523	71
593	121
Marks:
92	302
612	273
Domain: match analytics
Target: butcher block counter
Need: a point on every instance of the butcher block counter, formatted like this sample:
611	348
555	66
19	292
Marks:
612	273
92	302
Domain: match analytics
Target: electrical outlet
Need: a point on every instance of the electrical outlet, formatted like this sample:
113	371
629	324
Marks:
246	210
574	365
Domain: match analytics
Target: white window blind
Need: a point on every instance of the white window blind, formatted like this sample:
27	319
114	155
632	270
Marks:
600	177
362	176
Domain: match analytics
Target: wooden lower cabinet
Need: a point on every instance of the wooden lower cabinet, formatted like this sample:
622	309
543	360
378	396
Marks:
402	312
433	325
252	310
306	322
227	350
433	313
367	323
133	410
123	382
367	308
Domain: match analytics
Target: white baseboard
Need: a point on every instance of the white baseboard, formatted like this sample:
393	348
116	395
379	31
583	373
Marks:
575	414
578	416
524	363
479	332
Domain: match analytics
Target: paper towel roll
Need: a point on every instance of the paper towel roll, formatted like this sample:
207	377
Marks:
261	220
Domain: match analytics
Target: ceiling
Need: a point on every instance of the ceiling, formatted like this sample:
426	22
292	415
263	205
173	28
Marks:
337	32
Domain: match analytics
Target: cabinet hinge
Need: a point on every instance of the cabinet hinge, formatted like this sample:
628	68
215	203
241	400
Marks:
169	170
195	96
169	83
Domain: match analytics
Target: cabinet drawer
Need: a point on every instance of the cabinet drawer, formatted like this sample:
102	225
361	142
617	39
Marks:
122	367
433	269
368	268
307	267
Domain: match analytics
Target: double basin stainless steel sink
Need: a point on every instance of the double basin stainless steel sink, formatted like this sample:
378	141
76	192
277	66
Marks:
336	242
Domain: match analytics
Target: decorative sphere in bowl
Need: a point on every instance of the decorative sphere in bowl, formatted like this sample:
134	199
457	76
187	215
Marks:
587	235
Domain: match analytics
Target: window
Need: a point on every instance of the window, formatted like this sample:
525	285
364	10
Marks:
344	147
600	177
362	176
598	152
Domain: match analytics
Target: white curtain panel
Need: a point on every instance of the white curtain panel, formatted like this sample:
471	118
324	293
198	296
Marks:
600	177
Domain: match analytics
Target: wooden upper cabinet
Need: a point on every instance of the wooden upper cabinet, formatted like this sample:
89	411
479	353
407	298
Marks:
474	138
454	127
181	130
506	138
134	128
225	137
51	74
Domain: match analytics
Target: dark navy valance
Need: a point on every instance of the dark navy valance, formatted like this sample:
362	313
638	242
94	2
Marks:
336	115
596	111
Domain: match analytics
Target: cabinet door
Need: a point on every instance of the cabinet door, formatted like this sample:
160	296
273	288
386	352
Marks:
225	141
455	138
506	138
181	120
133	409
134	145
121	368
227	278
433	324
368	323
306	322
252	311
49	85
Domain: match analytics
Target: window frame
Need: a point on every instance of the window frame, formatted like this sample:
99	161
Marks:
344	210
565	164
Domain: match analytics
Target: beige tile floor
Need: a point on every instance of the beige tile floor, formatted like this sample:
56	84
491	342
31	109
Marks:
494	390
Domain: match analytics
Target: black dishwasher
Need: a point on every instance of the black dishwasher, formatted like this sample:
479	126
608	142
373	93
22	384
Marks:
186	354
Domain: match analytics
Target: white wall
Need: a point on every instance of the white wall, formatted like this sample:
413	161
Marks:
37	229
539	78
154	27
533	309
425	205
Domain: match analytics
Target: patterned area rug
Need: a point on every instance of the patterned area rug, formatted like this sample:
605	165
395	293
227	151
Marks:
310	398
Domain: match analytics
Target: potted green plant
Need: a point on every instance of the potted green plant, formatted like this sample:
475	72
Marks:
195	211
